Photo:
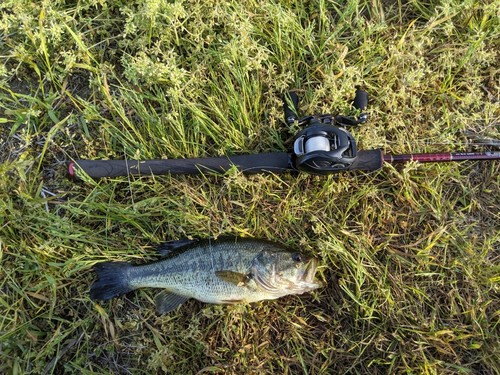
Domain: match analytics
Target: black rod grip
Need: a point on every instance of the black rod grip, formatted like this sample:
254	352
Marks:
291	112
360	100
274	162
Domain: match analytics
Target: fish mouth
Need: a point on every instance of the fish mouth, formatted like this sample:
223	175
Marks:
309	270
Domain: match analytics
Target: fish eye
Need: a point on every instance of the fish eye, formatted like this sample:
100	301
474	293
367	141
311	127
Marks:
297	257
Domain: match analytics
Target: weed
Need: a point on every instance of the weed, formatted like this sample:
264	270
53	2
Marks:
410	254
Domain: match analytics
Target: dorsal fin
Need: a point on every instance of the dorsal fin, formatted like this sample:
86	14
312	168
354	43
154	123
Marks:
171	247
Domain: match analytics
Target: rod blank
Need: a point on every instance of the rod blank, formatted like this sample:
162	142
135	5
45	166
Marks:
442	157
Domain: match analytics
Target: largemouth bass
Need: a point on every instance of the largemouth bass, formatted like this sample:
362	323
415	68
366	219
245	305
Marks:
223	271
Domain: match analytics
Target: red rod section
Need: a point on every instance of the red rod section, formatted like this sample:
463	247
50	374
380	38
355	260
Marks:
442	157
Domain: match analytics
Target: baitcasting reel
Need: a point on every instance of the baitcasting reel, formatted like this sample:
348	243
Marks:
323	147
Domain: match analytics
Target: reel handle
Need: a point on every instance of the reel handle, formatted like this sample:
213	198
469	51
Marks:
291	112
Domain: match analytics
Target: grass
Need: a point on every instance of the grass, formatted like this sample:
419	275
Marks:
410	254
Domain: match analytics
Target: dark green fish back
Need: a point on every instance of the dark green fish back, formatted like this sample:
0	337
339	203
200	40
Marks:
192	270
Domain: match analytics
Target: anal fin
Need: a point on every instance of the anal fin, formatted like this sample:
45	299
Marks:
167	301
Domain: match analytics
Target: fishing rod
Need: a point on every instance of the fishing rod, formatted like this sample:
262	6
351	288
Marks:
323	147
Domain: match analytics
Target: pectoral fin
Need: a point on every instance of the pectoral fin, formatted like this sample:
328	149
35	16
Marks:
232	277
166	301
231	301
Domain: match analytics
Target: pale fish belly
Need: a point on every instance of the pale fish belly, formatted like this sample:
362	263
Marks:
193	275
212	271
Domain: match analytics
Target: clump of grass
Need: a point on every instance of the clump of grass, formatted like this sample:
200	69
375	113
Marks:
409	254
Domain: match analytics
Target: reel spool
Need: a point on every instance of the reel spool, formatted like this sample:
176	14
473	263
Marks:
323	149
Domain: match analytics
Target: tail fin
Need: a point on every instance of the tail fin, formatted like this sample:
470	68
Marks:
112	280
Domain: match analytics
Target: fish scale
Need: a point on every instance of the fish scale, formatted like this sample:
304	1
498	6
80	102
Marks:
192	273
213	271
